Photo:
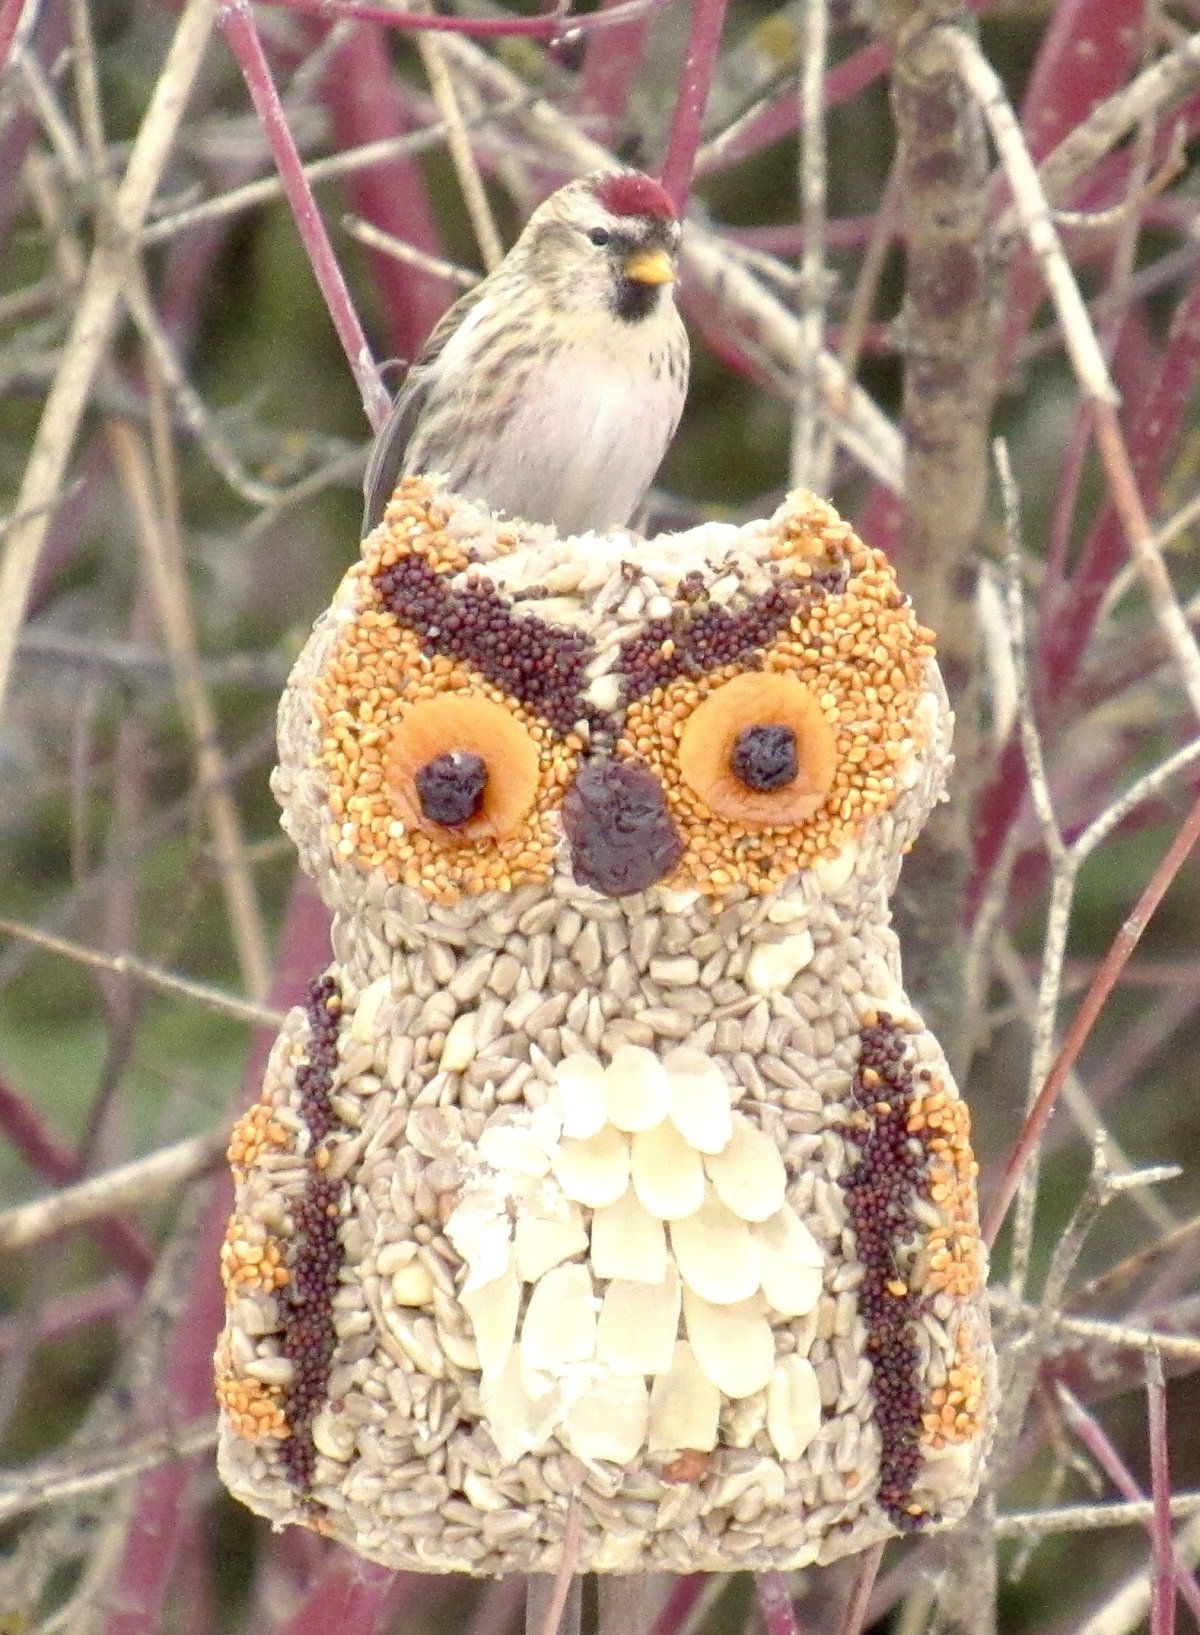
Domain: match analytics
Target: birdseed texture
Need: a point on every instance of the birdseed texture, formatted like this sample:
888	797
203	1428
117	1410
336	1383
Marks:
608	1170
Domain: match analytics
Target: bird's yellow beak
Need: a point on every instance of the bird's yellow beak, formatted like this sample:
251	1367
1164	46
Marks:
650	267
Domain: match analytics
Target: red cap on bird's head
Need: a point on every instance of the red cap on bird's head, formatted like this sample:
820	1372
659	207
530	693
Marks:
629	193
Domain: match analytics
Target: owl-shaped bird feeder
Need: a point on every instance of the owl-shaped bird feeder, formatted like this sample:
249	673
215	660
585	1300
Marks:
607	1172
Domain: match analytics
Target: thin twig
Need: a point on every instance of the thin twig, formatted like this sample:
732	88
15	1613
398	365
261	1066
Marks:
691	99
251	194
775	1604
1164	82
11	12
126	1187
553	27
375	238
1106	979
1127	1608
55	1480
166	574
189	405
241	32
95	312
1086	355
854	1617
1122	486
441	83
153	976
1097	1334
1058	915
1035	216
1162	1592
1086	1518
550	1618
812	449
1091	1433
859	425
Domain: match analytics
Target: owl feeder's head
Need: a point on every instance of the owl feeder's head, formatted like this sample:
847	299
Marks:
724	712
607	1172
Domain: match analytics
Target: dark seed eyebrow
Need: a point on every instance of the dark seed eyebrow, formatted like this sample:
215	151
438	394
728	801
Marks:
539	664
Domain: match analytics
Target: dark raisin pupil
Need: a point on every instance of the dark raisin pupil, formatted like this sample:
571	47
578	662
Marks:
765	757
450	787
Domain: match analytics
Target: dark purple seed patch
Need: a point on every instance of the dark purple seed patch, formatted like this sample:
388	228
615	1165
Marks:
307	1301
880	1186
538	663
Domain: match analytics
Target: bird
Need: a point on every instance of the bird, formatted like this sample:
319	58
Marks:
552	389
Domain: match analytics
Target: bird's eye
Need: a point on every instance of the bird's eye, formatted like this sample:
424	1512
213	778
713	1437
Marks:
600	236
460	768
758	750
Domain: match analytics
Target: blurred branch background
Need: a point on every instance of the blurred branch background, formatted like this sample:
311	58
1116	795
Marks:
942	262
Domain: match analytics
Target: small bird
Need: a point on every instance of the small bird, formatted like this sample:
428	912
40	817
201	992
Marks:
551	390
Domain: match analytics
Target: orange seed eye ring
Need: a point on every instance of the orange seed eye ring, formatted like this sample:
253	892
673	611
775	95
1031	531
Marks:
461	722
755	700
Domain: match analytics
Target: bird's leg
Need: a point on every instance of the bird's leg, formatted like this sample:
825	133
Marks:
553	1606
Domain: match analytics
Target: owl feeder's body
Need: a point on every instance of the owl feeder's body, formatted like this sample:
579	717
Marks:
657	1205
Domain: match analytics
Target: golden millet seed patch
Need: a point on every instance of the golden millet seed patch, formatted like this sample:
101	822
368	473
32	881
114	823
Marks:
254	1410
377	668
862	655
250	1259
255	1132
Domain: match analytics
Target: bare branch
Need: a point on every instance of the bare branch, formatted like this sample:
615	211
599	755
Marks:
129	1187
95	314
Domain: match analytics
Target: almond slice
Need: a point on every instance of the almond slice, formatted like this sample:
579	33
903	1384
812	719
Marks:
793	1406
545	1241
668	1175
700	1099
733	1344
609	1420
790	1263
480	1230
638	1325
628	1242
560	1321
596	1171
492	1308
716	1253
638	1089
517	1147
580	1085
748	1172
685	1406
519	1423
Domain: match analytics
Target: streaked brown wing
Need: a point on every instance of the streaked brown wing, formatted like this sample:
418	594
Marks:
386	460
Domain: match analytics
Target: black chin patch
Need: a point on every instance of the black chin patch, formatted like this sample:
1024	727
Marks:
635	301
